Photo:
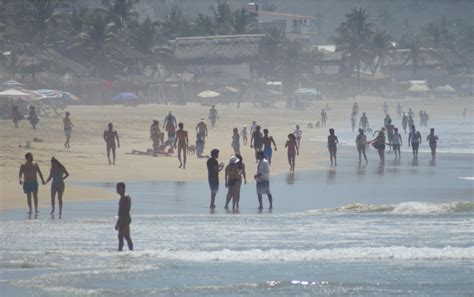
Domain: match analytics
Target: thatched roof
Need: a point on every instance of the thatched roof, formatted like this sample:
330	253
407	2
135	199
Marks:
430	57
229	49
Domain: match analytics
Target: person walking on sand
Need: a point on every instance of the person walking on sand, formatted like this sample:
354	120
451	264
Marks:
232	180
245	135
414	140
201	130
213	116
110	135
16	117
155	136
213	169
364	122
405	123
169	124
236	141
353	121
263	181
58	173
298	135
124	219
67	128
243	175
361	143
292	150
355	109
324	117
28	177
433	141
256	141
379	144
182	143
396	143
33	117
332	146
267	141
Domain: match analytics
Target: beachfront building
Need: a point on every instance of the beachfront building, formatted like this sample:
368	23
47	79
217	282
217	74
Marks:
296	27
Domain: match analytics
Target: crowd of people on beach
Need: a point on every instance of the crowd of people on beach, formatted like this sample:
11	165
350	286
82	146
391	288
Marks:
261	142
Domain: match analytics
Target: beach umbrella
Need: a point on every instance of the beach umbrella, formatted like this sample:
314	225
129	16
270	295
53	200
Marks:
14	93
69	96
445	89
208	94
48	94
125	97
12	83
418	88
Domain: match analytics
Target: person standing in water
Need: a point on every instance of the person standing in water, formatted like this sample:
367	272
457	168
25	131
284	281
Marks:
364	122
245	135
390	128
324	117
110	135
16	117
361	143
414	140
169	124
298	135
67	128
433	141
182	143
201	130
411	121
379	144
332	146
155	136
355	109
58	173
263	180
353	120
28	178
232	180
396	143
267	141
213	116
243	175
293	150
124	219
236	141
256	141
405	123
213	169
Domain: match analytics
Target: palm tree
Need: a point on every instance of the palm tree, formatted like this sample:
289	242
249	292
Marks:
380	45
175	25
354	36
414	56
204	25
144	35
243	22
120	12
39	19
269	53
222	17
290	62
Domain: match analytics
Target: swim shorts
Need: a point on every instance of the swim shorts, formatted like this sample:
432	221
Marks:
68	132
263	188
214	186
267	152
30	187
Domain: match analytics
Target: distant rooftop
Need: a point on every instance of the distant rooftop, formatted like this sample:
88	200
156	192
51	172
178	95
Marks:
217	49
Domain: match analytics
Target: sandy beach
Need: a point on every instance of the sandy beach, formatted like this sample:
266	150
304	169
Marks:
86	159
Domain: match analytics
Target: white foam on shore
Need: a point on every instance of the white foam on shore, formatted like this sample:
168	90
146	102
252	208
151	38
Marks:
467	177
413	207
334	254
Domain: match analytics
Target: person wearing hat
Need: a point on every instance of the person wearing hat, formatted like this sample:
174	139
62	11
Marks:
155	136
213	169
232	181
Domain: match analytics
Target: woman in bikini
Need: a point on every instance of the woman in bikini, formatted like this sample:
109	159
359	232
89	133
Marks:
293	150
332	146
58	174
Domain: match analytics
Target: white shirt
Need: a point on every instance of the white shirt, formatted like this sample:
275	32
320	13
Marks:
263	171
298	133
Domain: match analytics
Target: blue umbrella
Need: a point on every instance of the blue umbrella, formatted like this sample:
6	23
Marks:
125	97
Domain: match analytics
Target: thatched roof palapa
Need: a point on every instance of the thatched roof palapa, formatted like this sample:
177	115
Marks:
228	49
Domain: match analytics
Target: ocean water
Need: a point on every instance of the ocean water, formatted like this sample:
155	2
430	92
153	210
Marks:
405	229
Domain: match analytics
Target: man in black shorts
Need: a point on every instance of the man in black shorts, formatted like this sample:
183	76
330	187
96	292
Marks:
213	169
